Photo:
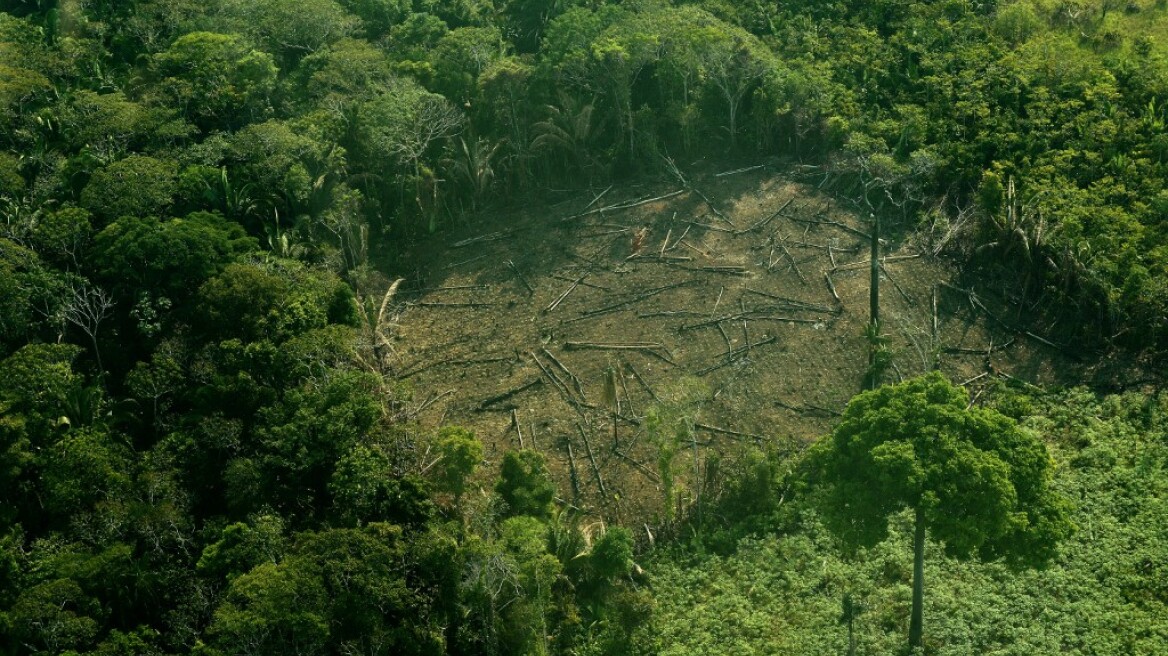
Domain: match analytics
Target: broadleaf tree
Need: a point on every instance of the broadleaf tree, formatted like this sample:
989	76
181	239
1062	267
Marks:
976	482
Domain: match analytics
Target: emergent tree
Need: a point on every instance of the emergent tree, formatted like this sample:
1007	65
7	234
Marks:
976	481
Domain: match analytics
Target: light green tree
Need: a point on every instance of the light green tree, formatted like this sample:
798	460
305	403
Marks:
975	481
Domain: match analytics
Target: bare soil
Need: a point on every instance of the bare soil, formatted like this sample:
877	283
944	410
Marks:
512	322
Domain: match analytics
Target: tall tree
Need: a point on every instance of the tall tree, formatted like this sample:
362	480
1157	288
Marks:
974	480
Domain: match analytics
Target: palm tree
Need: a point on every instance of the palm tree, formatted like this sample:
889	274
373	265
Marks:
473	165
568	131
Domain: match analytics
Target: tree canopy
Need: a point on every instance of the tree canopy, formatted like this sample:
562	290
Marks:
977	483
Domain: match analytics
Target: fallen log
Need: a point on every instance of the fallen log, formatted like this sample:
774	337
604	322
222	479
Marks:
767	220
522	278
624	206
483	405
492	236
793	302
444	304
592	459
727	431
618	305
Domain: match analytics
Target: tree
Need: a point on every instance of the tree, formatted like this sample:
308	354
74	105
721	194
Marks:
461	56
87	308
974	479
292	30
167	258
216	80
135	186
525	485
733	62
461	454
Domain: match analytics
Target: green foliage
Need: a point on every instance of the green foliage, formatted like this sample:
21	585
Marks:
524	485
461	453
220	487
377	16
38	379
367	488
244	546
982	482
304	435
349	71
339	590
32	296
291	31
214	80
169	258
274	301
137	186
781	593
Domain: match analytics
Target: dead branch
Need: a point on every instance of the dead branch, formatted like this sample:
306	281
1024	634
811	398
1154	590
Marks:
515	425
571	376
444	288
795	265
903	294
672	166
992	348
598	197
641	468
434	399
737	171
592	459
693	248
641	380
522	278
483	405
553	379
615	231
794	304
726	338
458	264
575	283
708	226
683	234
831	288
728	269
583	283
650	348
868	262
438	363
624	206
492	236
445	304
572	472
767	220
977	304
640	297
628	399
736	354
837	224
727	431
670	313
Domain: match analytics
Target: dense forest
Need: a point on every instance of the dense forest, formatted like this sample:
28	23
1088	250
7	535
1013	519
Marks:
205	205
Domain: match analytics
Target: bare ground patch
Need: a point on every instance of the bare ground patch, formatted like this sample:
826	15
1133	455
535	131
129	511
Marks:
761	293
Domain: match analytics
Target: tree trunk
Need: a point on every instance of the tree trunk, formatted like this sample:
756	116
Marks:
874	287
874	306
916	623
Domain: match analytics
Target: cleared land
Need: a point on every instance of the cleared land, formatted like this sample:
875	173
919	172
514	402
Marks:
750	282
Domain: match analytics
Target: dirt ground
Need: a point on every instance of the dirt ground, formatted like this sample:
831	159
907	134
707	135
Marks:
511	325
